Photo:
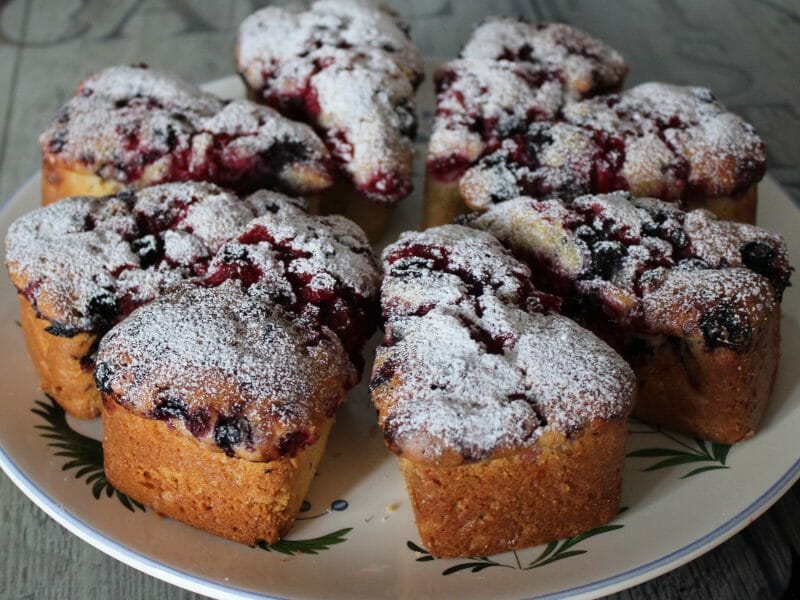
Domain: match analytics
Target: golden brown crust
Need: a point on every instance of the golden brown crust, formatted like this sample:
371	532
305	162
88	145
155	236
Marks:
442	202
58	362
343	199
741	208
561	488
62	180
233	498
718	395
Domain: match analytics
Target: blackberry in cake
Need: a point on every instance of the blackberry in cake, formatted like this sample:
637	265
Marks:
130	127
690	300
509	419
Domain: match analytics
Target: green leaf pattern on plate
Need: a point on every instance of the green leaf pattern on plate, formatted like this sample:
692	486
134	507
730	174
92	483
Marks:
687	452
554	551
312	546
85	453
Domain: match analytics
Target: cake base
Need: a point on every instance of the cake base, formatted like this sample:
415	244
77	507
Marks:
60	181
343	199
563	487
240	500
720	396
443	203
57	359
741	208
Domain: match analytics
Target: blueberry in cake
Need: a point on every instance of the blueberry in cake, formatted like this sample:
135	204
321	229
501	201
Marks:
83	264
690	300
129	127
219	395
349	68
507	124
509	419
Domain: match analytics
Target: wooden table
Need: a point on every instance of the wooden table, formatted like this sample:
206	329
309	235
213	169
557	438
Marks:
746	51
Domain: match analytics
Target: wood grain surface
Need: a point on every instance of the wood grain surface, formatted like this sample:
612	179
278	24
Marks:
746	51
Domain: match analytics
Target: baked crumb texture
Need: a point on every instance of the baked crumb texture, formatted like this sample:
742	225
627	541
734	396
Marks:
533	109
220	393
509	418
690	300
130	127
349	68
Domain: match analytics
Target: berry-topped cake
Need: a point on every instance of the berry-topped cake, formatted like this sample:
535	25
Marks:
509	419
349	68
218	396
690	300
83	264
493	142
129	127
510	74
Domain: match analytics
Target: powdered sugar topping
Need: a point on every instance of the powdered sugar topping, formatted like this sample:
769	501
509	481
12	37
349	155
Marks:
659	140
350	69
480	367
86	262
631	251
512	73
141	126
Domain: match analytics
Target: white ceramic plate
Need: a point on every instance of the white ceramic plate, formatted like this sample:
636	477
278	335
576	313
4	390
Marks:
358	519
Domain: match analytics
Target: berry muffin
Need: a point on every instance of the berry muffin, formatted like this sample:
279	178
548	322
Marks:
83	264
507	125
690	300
509	419
129	127
219	395
510	74
349	68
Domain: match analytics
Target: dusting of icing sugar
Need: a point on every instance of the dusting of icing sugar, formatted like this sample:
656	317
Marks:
141	126
660	140
512	73
478	366
85	262
630	249
587	64
236	372
254	354
350	69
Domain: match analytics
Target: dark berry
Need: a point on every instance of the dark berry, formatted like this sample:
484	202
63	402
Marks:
60	330
607	258
586	233
758	256
229	432
290	443
170	405
723	328
102	308
305	506
102	377
147	249
678	239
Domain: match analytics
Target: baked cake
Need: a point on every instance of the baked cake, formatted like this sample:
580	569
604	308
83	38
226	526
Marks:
509	419
129	127
83	264
690	300
676	143
349	68
218	396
